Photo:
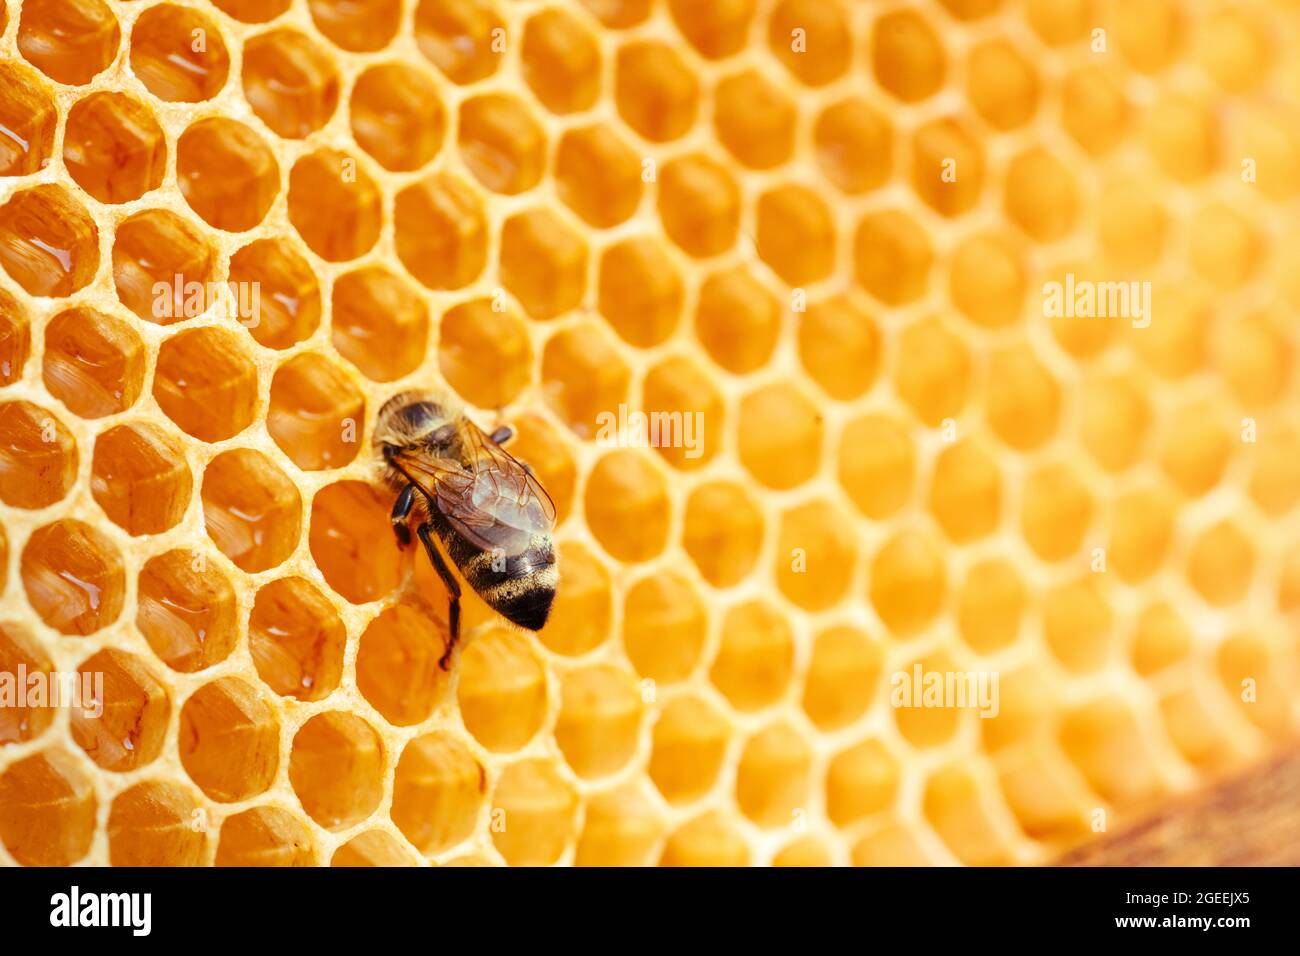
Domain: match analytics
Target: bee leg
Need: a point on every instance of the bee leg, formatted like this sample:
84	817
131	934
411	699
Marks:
502	435
401	510
425	531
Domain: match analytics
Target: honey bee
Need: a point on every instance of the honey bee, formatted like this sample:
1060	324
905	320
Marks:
486	508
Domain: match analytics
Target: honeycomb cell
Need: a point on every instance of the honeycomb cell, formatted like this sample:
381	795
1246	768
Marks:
932	371
397	664
598	725
619	14
803	851
1094	110
22	652
908	582
113	147
1258	662
229	740
755	120
737	320
926	727
47	809
465	39
379	323
1114	421
1040	195
583	377
484	353
296	639
1182	136
1196	446
543	263
689	742
15	339
990	605
441	231
773	776
1059	22
540	445
891	844
664	626
336	767
38	456
1235	48
1142	527
186	610
1023	400
69	40
1078	625
206	383
1160	639
1224	246
315	414
986	279
906	56
795	234
1275	480
627	505
685	412
290	82
253	11
1055	511
598	175
502	143
861	780
657	94
947	167
28	117
251	510
49	245
272	274
716	30
840	345
842	677
397	116
1001	85
584	608
812	39
966	491
73	577
854	145
335	205
561	61
755	656
372	848
957	807
620	828
1132	222
1254	357
265	836
178	54
539	809
162	267
358	27
1104	740
122	723
437	792
1176	346
152	824
502	690
707	840
780	435
140	478
699	205
892	257
722	531
815	554
1221	564
640	291
1149	35
226	173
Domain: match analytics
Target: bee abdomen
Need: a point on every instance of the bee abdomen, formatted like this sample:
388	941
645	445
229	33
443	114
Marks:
521	588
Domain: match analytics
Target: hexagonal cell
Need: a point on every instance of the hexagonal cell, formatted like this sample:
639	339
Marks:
812	38
20	650
657	94
598	726
620	828
987	280
541	809
379	323
927	727
251	510
265	836
1078	625
686	413
441	231
908	581
932	371
1103	738
1197	445
178	54
397	664
1142	527
438	792
335	205
619	14
543	263
722	531
229	740
158	248
816	554
372	848
627	505
957	805
774	776
49	245
1094	109
186	610
780	435
1182	134
1056	511
854	145
947	167
840	346
755	655
114	148
316	414
140	478
397	116
290	82
699	205
795	234
502	690
352	542
1114	420
803	851
38	456
465	39
296	639
754	119
152	824
584	608
906	55
1152	35
336	768
69	40
598	175
502	143
1221	564
47	809
707	840
73	577
582	376
1230	258
253	11
15	339
892	257
93	363
1001	85
688	745
991	604
226	173
122	723
357	27
1275	479
843	677
206	383
484	353
288	294
664	626
737	320
561	61
877	464
966	490
1040	195
640	291
28	117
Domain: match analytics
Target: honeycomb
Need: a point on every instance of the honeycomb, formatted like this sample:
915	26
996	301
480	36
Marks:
827	227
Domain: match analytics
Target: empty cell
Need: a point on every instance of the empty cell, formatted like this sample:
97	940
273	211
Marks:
584	608
28	117
583	375
178	54
47	809
336	768
73	577
296	639
69	40
140	478
754	119
699	205
352	541
1041	196
49	245
947	167
561	61
229	740
709	839
187	611
688	744
484	353
854	145
773	776
226	173
540	807
686	412
205	382
315	414
877	463
1001	85
465	39
755	655
397	664
716	30
441	231
932	371
1078	625
627	505
892	257
290	82
812	38
357	27
372	848
38	456
640	291
620	828
840	346
265	836
737	320
991	604
657	95
501	692
275	276
598	726
438	792
816	554
664	626
397	116
1056	510
1094	109
251	510
15	339
986	279
124	727
907	57
598	175
94	363
162	267
380	324
843	677
908	581
722	531
502	143
114	148
335	205
966	490
152	824
780	435
543	263
24	719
